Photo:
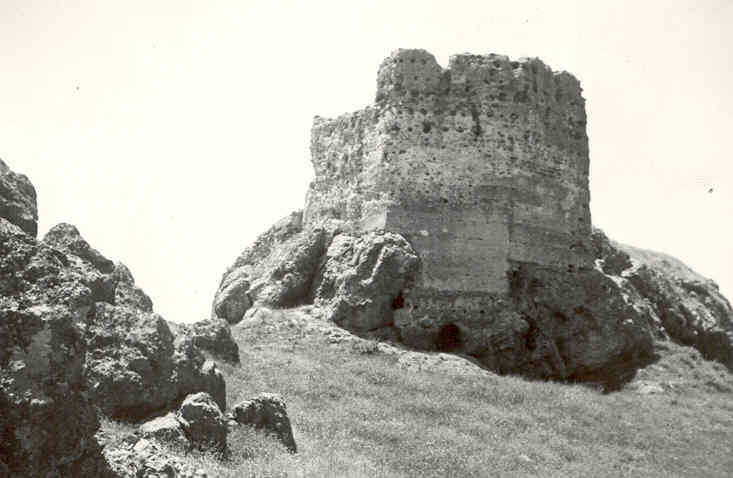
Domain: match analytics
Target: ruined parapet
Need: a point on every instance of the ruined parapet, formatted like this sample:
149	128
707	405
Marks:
481	166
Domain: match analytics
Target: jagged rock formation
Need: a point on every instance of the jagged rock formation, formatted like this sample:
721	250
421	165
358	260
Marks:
18	200
453	215
683	305
77	335
361	278
42	358
135	365
277	269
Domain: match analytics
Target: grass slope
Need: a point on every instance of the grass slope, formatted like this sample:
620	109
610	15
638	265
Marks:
356	413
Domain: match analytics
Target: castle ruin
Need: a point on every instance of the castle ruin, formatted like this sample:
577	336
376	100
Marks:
482	167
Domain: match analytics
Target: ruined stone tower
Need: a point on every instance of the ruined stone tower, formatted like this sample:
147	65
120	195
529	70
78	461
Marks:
452	215
481	166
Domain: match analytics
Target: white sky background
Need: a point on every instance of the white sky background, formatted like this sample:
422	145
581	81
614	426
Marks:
171	133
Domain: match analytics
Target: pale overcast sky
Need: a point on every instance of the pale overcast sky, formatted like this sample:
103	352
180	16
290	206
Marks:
171	133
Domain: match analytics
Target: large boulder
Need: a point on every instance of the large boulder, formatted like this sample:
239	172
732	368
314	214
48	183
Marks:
203	422
581	325
18	200
361	279
47	424
276	271
266	411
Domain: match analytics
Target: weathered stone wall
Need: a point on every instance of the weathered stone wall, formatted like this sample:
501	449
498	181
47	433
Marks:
480	166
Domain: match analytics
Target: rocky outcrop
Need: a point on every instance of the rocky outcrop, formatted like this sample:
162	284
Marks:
266	411
76	336
277	270
42	355
66	238
362	278
137	366
18	200
692	313
567	324
357	279
683	305
581	325
553	324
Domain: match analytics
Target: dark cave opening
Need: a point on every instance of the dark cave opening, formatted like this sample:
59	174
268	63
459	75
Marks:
448	338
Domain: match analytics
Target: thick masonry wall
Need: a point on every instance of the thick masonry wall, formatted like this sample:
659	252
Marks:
479	166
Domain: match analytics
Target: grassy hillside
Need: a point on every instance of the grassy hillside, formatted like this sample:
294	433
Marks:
360	412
